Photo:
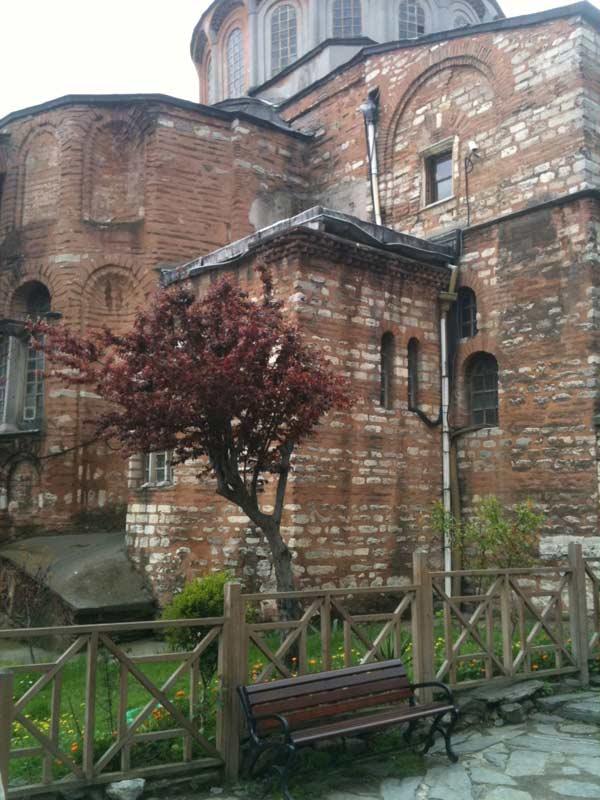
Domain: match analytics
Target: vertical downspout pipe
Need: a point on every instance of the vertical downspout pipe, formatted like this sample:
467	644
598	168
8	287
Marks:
447	298
370	112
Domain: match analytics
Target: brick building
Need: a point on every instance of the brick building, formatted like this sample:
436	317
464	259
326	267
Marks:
443	181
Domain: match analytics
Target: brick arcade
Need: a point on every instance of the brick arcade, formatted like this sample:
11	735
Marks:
488	175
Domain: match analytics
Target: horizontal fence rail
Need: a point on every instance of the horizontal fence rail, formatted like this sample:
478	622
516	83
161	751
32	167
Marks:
96	651
494	625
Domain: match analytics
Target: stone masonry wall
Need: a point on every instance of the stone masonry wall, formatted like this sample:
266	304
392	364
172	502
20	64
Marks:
363	486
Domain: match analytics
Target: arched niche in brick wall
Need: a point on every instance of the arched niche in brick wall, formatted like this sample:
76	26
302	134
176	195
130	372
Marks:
110	299
40	178
114	187
445	103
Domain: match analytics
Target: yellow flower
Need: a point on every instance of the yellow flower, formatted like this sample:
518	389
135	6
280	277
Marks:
180	694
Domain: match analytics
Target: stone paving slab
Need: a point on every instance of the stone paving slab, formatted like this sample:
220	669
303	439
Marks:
515	762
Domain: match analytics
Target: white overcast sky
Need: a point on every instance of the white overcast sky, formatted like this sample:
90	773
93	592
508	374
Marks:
54	47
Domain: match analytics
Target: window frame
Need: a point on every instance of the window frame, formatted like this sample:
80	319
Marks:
413	353
470	323
274	11
150	468
484	366
342	13
387	356
235	72
420	8
445	147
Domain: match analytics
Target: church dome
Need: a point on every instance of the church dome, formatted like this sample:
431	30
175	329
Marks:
240	45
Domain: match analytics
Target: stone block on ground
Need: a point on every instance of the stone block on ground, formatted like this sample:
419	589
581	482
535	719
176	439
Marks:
126	790
497	694
513	713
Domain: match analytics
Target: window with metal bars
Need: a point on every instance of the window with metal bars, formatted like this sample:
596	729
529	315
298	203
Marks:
467	313
482	379
157	467
412	20
284	37
235	63
386	398
21	364
347	18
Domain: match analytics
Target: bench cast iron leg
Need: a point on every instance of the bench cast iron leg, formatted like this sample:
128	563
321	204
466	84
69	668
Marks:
446	731
284	771
408	734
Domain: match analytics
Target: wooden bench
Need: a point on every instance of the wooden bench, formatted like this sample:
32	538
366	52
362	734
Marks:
288	714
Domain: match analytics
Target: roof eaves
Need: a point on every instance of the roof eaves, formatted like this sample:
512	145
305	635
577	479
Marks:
131	99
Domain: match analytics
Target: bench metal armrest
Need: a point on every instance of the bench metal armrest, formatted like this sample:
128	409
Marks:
435	685
285	726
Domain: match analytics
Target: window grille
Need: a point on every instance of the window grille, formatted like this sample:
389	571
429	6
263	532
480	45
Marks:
235	63
412	20
467	313
483	389
347	18
34	386
284	37
386	399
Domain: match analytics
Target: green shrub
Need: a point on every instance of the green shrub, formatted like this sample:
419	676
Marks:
493	537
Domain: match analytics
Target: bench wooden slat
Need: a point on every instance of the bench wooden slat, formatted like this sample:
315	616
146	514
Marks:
359	724
304	716
321	681
291	703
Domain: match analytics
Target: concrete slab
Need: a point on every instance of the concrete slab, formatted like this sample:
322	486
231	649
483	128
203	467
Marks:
91	573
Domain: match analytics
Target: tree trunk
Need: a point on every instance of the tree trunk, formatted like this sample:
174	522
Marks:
282	557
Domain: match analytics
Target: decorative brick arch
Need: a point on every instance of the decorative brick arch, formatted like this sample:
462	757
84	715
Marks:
443	62
39	176
114	169
110	297
222	12
33	273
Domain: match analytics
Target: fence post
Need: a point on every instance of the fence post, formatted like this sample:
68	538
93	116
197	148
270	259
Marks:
6	715
233	671
506	626
578	611
422	627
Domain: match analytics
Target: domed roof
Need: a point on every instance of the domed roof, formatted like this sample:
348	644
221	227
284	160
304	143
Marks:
239	45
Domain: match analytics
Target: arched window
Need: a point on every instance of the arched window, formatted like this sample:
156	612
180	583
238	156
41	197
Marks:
467	313
482	381
386	398
284	37
412	19
211	94
413	374
461	21
235	63
21	365
347	18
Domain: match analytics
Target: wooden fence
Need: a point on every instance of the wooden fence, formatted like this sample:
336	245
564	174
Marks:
510	624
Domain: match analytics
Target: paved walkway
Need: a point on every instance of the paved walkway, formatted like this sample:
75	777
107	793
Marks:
546	758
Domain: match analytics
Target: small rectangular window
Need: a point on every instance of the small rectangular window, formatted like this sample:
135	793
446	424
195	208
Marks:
157	467
438	171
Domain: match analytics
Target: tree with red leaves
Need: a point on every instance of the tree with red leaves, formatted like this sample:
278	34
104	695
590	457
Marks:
224	379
